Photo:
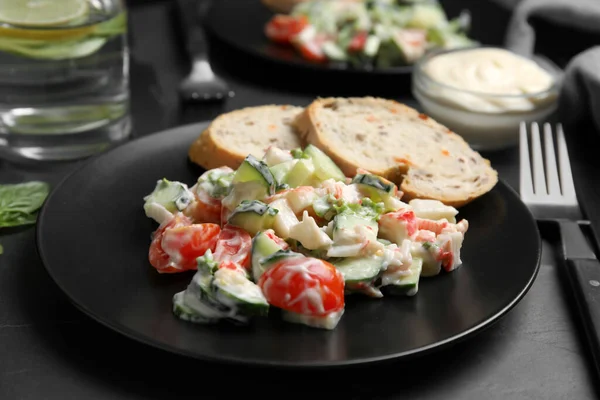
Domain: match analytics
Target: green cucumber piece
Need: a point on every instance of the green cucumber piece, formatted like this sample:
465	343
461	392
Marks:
323	207
253	216
407	285
172	195
372	46
216	182
325	168
280	171
182	311
359	269
234	290
376	188
262	246
278	256
349	220
376	185
334	52
253	169
302	174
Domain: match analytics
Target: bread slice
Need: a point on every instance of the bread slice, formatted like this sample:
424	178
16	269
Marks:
426	159
234	135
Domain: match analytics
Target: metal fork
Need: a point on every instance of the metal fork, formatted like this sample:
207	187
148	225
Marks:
202	84
546	186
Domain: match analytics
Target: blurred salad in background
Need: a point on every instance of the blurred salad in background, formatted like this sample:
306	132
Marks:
368	33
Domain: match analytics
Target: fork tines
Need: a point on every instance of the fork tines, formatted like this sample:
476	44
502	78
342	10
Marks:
552	178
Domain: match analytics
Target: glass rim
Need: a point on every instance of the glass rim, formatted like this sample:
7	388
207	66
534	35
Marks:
421	74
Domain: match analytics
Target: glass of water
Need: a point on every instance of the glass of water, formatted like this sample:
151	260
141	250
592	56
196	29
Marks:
64	69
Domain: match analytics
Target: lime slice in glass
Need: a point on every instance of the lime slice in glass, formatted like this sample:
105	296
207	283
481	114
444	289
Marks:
40	13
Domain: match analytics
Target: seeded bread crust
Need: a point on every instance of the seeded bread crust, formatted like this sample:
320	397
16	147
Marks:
234	135
424	158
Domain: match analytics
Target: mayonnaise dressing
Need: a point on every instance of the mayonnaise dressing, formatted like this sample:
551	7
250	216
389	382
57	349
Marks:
493	74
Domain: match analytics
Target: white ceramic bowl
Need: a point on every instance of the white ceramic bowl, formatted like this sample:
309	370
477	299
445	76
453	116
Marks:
483	129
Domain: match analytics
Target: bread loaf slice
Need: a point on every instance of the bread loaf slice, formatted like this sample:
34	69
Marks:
426	159
234	135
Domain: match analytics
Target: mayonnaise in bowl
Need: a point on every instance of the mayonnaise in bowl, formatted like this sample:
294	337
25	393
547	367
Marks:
483	93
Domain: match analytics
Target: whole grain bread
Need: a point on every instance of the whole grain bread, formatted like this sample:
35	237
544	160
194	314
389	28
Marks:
234	135
426	159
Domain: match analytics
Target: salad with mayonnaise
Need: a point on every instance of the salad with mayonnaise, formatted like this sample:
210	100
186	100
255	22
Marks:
291	232
368	33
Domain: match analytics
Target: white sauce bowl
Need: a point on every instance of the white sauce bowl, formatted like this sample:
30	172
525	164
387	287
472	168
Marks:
488	121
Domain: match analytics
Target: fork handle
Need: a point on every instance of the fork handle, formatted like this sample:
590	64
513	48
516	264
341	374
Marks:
584	276
189	12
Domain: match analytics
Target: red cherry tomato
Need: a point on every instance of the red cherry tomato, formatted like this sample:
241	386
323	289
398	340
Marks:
204	209
282	28
234	245
157	256
357	43
176	245
304	285
312	51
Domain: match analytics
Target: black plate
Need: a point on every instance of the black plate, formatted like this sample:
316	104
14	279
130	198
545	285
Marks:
93	238
241	24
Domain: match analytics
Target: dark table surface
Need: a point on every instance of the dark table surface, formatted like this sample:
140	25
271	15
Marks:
50	350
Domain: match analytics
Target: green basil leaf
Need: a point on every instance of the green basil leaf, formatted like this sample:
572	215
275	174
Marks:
19	203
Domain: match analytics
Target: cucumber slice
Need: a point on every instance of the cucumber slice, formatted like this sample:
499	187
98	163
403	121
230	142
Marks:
334	52
325	168
280	171
201	289
262	246
302	174
182	311
253	216
323	207
173	196
328	321
347	221
428	254
233	289
359	269
378	189
375	186
253	169
278	256
216	182
407	285
372	46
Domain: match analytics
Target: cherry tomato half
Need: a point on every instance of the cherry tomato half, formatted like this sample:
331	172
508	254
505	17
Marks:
304	285
234	245
358	42
204	209
176	246
282	28
157	256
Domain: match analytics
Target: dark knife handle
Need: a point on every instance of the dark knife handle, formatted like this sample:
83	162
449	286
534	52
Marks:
585	282
190	14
